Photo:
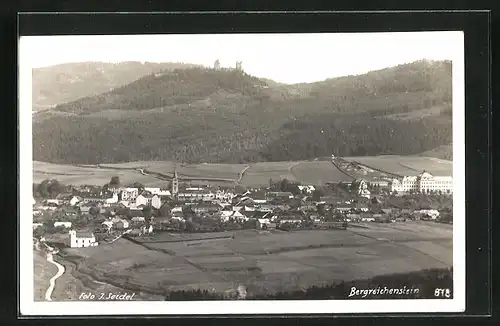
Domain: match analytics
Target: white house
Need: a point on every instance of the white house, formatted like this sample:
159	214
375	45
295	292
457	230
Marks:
364	193
279	194
142	200
107	224
197	195
114	190
81	239
147	230
129	194
56	202
224	195
138	219
290	221
237	216
74	200
158	191
156	201
122	224
152	190
178	218
379	183
195	189
265	223
434	214
85	209
177	209
147	198
113	199
263	208
249	209
63	224
308	189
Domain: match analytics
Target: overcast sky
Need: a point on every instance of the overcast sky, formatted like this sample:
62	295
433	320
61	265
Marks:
288	58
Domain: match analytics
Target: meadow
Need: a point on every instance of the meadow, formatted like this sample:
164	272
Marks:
77	175
263	261
318	172
259	173
256	174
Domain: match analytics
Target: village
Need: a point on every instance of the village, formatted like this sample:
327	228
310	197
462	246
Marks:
85	216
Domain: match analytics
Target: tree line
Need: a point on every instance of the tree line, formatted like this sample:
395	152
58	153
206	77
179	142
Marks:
90	141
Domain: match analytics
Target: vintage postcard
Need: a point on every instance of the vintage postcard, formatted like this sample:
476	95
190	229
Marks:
242	173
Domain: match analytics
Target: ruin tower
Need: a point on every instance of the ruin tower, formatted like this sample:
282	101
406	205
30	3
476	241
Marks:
239	66
217	64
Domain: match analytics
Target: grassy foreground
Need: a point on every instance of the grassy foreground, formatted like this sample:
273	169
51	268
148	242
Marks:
415	285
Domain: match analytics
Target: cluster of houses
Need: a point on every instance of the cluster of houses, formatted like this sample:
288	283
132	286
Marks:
266	209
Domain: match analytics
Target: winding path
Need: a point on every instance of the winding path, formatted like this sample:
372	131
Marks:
121	235
60	272
164	177
242	174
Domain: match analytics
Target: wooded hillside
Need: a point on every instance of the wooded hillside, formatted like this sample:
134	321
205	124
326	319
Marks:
206	115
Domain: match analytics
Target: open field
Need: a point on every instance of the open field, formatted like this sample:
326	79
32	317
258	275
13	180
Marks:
265	261
406	165
77	175
73	282
444	152
189	170
318	172
257	175
98	178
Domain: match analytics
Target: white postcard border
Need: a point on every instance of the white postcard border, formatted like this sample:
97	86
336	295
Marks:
26	278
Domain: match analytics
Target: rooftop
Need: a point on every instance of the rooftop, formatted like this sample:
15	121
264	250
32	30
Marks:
84	234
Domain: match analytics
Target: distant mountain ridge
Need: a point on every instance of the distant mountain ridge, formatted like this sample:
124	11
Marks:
68	82
227	116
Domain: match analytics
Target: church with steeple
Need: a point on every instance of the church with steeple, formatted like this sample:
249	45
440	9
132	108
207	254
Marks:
175	183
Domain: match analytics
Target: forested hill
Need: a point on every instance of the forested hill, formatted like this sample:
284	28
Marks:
206	115
70	81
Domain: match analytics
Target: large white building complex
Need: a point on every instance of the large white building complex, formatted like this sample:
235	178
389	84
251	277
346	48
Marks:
423	183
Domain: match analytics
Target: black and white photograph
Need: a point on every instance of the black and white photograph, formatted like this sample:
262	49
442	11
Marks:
242	173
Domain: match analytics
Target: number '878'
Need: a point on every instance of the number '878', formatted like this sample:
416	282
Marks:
442	293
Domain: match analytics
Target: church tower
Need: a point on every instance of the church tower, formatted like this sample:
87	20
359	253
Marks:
175	183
